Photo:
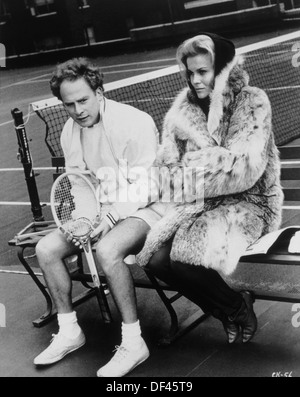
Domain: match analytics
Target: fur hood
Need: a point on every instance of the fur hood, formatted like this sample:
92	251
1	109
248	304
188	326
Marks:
185	118
235	147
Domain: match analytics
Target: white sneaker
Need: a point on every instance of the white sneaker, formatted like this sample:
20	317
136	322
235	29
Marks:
124	361
60	346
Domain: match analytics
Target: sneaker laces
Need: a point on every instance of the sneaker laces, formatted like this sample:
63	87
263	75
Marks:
121	354
54	337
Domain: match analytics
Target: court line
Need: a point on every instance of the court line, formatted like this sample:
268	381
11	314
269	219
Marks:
32	79
202	362
6	123
105	73
24	81
26	119
21	169
20	204
265	325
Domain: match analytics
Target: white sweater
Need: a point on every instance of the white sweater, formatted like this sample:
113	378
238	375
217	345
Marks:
124	133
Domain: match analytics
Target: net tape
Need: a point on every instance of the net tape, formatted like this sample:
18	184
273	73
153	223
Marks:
270	67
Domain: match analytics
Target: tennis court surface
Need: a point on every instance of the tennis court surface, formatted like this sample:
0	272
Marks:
273	67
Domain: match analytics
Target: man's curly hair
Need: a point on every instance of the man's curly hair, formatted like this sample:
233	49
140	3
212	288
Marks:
73	70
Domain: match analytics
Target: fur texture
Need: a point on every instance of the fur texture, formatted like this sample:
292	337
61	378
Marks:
242	190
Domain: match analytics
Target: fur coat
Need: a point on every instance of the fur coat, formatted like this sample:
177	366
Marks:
242	190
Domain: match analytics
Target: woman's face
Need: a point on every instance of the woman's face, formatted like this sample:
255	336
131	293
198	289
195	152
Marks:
201	72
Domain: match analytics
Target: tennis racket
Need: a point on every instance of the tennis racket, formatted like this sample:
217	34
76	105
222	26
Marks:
77	211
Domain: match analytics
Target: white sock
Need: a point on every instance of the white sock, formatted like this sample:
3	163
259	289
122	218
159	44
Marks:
68	325
132	336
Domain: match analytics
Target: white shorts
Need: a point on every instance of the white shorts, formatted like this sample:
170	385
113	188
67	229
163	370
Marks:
152	214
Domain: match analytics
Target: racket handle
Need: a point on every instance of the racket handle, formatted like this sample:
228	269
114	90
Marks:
103	304
101	297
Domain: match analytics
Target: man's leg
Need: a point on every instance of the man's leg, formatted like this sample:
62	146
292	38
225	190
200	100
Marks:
51	252
126	239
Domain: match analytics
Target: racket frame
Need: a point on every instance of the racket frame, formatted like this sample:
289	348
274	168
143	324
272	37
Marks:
85	242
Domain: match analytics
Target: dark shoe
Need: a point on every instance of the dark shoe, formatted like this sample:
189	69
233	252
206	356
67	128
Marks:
246	317
232	331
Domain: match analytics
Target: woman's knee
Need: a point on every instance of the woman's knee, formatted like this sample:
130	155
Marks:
155	263
160	261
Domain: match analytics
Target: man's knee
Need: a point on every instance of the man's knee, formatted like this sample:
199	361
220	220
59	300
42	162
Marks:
108	256
49	250
44	251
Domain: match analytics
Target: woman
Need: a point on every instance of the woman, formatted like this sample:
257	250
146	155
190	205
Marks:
223	125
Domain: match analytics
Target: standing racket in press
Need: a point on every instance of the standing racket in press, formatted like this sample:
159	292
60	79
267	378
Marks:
77	211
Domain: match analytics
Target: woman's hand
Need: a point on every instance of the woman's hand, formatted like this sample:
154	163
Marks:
193	159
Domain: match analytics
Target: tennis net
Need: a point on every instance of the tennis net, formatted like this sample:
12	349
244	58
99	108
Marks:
273	65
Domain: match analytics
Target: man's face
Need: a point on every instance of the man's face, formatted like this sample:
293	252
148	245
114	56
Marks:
81	102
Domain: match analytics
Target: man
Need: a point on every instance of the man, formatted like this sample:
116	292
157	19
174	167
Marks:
99	133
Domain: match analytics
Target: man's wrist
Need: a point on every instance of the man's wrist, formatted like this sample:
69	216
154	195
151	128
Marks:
112	218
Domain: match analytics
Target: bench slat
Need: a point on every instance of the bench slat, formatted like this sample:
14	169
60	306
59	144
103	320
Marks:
290	173
289	152
277	296
273	259
291	194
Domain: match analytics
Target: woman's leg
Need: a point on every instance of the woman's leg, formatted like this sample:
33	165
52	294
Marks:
208	285
204	287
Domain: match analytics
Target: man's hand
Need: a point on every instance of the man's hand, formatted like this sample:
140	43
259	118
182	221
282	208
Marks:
101	231
70	238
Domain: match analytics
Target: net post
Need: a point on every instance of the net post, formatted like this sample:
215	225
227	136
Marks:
26	160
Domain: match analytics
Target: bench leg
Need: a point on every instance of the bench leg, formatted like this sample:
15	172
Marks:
174	327
175	332
45	318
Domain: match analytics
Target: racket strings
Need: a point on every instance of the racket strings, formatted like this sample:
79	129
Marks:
75	206
64	201
80	228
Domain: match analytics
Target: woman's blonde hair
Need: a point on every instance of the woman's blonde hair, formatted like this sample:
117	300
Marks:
192	47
